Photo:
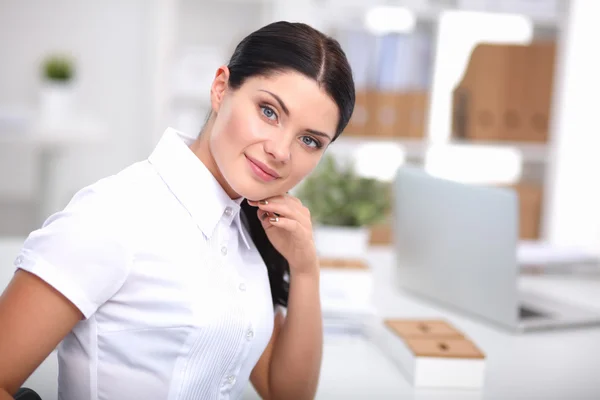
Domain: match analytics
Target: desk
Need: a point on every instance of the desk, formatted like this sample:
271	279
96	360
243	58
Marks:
551	365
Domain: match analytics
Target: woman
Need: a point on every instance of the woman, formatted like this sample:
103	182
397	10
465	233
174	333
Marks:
164	281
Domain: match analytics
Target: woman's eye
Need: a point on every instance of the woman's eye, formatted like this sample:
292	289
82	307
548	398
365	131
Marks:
310	142
269	113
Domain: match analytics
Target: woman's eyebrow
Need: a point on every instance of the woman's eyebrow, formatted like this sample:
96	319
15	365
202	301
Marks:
287	112
281	103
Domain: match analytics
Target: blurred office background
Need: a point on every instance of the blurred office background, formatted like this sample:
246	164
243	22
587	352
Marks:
486	92
481	91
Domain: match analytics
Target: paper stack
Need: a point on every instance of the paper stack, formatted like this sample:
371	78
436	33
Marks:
346	289
536	256
431	353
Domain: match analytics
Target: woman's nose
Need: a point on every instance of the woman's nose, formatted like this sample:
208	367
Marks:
279	149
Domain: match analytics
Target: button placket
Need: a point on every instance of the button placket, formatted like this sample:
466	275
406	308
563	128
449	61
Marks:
224	234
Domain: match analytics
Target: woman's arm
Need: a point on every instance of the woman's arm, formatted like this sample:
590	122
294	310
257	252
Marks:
294	353
34	318
289	368
296	361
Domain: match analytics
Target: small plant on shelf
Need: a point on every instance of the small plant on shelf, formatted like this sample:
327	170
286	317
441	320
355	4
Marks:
58	68
343	205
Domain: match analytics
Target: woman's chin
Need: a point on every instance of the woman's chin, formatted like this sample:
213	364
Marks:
247	191
253	191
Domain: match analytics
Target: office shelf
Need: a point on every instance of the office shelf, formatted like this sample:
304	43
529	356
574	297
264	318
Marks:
417	148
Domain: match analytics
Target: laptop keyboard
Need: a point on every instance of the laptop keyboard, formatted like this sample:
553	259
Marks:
525	312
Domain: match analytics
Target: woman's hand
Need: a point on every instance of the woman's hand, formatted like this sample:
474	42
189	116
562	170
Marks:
288	226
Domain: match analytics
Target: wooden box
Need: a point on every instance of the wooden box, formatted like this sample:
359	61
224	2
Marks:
432	353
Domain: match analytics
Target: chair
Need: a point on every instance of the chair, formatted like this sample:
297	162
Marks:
26	394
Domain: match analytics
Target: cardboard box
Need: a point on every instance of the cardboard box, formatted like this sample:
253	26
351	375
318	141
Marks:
359	124
390	114
399	114
417	115
431	353
505	94
530	210
381	234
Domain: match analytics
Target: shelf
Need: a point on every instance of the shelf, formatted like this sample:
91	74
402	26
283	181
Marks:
417	148
530	152
414	148
70	134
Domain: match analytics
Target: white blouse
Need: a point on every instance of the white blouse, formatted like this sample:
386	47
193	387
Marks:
176	298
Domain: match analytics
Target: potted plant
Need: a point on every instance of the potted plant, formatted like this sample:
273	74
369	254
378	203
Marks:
57	92
343	206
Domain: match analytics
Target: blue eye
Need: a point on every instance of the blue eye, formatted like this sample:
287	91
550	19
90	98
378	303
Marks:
310	142
269	113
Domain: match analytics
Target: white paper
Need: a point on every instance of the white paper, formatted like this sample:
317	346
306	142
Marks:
541	254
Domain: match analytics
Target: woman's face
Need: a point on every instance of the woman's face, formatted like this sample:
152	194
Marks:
270	133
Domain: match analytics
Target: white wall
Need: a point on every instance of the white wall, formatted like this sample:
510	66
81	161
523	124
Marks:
573	188
205	35
217	23
113	43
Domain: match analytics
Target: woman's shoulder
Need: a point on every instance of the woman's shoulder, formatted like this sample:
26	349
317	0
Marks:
116	189
110	199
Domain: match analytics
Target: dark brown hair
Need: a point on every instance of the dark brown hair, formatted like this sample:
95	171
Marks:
279	47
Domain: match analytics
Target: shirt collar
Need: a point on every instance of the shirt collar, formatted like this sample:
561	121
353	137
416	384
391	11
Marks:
194	185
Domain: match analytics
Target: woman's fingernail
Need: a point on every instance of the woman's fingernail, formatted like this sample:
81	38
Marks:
264	202
275	219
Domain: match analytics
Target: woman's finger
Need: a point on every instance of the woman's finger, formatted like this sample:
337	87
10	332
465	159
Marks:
287	209
290	225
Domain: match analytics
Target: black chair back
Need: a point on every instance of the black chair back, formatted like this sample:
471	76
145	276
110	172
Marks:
26	394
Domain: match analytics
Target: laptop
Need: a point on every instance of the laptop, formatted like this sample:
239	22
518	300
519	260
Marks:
456	244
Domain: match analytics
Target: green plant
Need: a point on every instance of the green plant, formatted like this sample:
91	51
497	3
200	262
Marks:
58	68
336	195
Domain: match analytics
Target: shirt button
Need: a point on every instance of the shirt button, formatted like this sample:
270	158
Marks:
242	287
19	260
224	250
249	334
228	211
231	379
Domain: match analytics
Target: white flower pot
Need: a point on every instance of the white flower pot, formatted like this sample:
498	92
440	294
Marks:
341	241
57	101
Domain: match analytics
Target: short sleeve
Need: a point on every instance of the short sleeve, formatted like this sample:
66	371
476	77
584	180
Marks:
80	251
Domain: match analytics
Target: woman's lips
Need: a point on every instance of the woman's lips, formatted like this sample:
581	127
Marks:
258	171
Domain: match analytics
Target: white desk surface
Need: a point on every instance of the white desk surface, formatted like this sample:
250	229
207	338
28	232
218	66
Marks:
549	365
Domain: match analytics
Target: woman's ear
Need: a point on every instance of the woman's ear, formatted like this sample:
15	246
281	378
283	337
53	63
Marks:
219	87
